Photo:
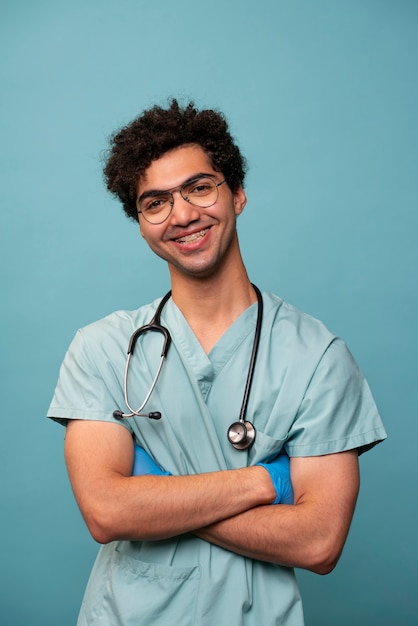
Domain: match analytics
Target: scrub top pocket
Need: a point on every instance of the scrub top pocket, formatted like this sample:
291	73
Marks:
265	448
139	593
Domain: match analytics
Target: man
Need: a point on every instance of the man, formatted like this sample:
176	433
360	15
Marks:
201	533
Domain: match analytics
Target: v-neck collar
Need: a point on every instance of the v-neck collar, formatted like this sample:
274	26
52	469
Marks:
207	366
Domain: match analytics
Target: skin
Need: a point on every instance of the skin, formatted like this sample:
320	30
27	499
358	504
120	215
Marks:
211	287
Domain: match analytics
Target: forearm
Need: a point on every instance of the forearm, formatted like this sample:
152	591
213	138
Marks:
282	534
309	534
158	507
276	472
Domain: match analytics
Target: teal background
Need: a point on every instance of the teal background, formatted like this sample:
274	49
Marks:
323	99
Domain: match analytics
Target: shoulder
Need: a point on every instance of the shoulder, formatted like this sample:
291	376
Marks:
113	331
295	327
120	321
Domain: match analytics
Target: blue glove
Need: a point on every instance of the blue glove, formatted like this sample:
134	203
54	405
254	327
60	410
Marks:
145	464
279	470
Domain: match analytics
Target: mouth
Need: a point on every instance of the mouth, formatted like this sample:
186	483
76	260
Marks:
193	237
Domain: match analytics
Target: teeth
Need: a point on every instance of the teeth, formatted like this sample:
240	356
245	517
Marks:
193	236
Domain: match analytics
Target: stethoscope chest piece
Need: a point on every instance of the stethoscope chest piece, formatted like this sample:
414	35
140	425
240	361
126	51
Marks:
241	435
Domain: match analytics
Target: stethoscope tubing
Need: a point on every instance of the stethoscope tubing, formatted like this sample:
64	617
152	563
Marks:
253	357
139	410
154	325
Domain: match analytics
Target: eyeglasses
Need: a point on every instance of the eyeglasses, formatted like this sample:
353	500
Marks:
156	206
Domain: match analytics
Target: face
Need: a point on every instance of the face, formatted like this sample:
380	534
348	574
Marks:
194	241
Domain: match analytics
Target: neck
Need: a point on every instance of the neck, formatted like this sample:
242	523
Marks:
212	304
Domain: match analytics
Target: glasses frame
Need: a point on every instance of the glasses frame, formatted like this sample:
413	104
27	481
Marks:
180	189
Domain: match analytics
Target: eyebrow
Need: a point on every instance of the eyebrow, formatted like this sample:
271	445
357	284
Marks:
152	193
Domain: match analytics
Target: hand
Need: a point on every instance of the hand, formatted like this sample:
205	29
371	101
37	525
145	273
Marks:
145	464
279	470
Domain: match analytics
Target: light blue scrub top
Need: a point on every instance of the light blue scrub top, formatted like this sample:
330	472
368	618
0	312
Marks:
308	397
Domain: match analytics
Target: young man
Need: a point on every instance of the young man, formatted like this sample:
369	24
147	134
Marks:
213	539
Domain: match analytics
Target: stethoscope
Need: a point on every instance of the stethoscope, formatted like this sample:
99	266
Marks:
241	434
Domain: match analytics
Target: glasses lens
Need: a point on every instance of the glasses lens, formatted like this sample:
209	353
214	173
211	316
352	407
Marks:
156	209
202	192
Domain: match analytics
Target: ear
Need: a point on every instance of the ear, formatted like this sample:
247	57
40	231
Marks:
240	200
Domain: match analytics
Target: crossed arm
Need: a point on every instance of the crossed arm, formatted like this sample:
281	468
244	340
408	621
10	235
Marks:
230	508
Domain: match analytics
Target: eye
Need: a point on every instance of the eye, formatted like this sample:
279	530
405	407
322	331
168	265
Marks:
153	205
200	187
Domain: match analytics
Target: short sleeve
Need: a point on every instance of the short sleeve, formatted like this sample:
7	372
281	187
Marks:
338	411
84	390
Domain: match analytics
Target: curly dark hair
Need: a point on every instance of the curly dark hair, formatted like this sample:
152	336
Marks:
158	130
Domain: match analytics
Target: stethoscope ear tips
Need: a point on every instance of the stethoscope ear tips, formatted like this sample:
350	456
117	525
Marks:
241	435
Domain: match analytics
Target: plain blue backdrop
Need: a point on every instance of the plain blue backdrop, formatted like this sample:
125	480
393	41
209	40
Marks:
322	96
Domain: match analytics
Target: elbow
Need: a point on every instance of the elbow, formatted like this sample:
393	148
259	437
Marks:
323	567
324	559
100	534
107	524
100	526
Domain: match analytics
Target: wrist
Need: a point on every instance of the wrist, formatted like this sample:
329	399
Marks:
263	486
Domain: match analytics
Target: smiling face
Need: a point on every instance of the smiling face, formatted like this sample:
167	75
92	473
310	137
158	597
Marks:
194	241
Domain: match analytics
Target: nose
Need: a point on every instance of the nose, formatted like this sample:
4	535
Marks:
182	212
